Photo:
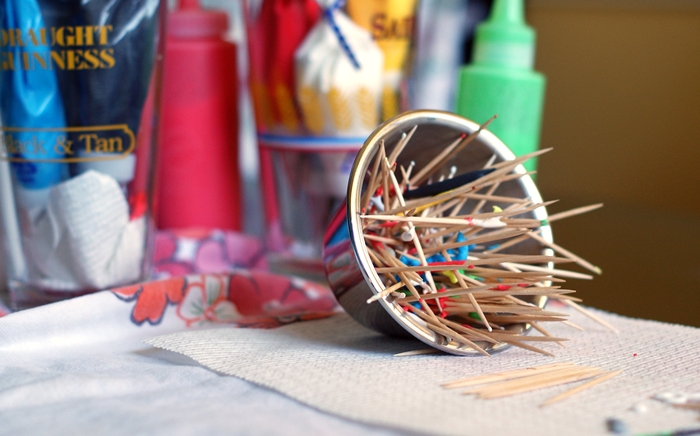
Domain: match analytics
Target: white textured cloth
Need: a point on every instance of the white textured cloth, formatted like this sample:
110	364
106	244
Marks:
80	367
339	367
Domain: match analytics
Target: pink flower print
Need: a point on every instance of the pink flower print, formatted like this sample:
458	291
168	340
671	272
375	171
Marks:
205	301
211	257
245	251
165	246
224	251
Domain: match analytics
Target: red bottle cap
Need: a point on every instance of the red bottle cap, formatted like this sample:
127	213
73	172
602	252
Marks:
191	21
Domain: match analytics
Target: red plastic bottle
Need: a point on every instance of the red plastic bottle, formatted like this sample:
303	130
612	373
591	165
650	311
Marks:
198	177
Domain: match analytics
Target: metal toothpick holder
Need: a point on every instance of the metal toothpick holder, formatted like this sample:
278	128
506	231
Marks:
347	264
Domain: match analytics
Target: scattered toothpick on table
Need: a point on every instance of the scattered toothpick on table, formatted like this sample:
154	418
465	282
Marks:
519	381
446	249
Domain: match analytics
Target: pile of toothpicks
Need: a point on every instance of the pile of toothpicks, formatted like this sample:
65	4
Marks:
441	247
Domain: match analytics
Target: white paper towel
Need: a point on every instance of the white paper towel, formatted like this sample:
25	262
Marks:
339	367
84	239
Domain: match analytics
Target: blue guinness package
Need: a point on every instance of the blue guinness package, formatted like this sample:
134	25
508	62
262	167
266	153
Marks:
79	86
75	75
30	103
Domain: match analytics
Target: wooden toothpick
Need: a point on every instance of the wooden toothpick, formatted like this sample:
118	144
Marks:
580	388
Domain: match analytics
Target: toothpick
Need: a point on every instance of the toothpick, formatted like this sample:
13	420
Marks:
518	160
510	243
385	178
481	291
376	261
538	382
439	234
414	236
590	314
574	212
512	210
474	262
444	206
573	325
447	153
488	196
542	330
551	218
372	186
442	329
516	319
475	334
580	388
406	175
417	352
385	292
503	309
467	220
391	260
475	304
567	297
566	253
388	241
457	338
552	271
401	144
514	278
489	237
506	375
525	292
497	176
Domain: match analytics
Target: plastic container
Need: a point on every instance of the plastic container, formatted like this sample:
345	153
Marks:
76	159
199	181
501	80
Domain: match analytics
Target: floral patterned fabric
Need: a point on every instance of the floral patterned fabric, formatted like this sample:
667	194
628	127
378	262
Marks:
247	298
205	277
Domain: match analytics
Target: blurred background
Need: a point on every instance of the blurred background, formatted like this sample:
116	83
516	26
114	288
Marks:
622	113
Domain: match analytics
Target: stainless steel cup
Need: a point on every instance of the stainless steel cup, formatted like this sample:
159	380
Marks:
347	264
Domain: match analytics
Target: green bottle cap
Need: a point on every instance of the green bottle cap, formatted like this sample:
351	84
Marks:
504	39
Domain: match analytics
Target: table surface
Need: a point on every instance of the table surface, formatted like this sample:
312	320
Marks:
82	366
